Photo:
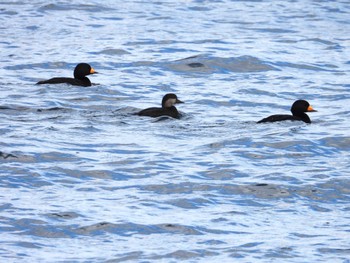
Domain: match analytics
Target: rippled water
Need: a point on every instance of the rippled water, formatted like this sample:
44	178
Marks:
84	180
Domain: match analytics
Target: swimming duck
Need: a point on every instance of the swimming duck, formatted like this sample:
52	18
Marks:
80	79
167	109
298	110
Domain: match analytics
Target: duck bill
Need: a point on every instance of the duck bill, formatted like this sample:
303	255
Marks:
310	109
92	71
179	101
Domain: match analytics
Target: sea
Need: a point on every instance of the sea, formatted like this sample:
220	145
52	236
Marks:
84	179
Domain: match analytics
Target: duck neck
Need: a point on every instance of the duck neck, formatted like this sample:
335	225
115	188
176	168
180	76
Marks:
86	81
302	116
171	108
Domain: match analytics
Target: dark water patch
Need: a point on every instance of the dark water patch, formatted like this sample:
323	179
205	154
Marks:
54	109
194	203
28	244
305	235
200	8
233	22
151	203
39	228
206	41
184	188
334	9
233	213
339	251
22	179
139	171
90	129
254	244
6	206
125	111
238	252
95	25
111	52
20	158
124	257
333	190
179	229
172	50
5	108
283	253
14	109
258	190
149	42
321	41
33	28
282	177
130	229
220	219
212	242
316	67
207	64
270	30
196	65
74	7
259	92
160	18
86	174
185	255
318	208
8	12
223	173
288	41
265	191
56	157
279	147
112	18
7	155
340	143
63	215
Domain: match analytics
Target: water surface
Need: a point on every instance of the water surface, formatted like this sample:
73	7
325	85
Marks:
84	180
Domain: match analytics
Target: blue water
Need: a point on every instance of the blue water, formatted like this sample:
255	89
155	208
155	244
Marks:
84	180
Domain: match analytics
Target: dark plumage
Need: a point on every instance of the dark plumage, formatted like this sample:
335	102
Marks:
167	109
80	79
298	110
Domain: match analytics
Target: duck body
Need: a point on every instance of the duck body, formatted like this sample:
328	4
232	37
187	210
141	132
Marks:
283	117
157	112
80	79
167	109
298	110
72	81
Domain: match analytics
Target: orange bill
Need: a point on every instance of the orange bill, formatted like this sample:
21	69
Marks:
310	109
